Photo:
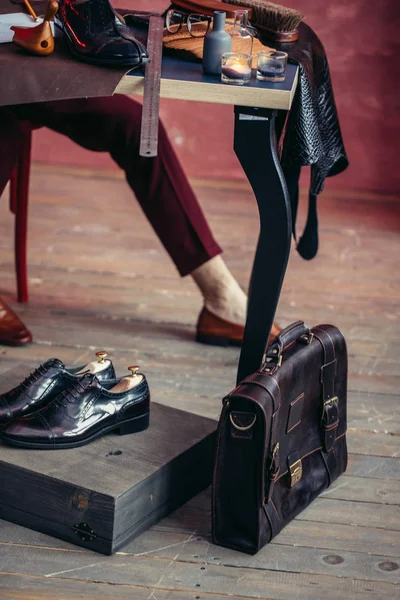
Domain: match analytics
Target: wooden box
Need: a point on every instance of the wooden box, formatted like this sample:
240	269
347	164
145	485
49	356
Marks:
103	494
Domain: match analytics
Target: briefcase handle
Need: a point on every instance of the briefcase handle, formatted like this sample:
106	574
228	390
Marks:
297	331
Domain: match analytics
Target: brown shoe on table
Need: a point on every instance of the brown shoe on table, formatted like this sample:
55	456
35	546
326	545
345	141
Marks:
216	331
12	330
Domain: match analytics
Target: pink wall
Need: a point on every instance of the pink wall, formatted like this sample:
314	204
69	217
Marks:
362	41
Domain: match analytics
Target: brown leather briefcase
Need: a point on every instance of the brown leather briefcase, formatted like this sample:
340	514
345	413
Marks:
281	437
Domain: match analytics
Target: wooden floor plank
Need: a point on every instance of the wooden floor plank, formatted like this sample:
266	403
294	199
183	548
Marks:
365	490
161	540
177	575
364	514
17	587
100	278
371	443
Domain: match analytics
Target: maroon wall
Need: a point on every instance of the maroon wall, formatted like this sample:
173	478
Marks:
362	41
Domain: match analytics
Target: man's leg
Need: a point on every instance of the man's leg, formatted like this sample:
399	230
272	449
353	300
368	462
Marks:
12	331
11	139
160	185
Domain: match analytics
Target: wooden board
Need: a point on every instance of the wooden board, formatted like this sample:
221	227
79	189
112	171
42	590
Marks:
117	485
185	80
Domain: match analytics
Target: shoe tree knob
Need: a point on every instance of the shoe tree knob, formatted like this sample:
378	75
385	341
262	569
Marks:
129	382
101	356
134	370
37	40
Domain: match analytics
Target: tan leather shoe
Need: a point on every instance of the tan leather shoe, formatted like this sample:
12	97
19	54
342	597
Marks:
12	330
216	331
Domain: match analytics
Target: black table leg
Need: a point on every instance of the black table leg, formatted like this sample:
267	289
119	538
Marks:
255	147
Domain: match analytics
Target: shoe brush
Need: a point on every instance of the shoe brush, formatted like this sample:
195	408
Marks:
277	23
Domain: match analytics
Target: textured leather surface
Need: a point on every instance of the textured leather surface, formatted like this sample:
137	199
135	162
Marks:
81	411
95	31
264	478
41	387
312	135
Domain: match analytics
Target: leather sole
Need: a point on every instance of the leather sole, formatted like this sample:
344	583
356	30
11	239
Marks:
21	342
135	425
214	340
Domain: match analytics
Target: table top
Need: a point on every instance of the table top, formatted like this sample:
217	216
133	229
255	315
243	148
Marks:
59	76
185	80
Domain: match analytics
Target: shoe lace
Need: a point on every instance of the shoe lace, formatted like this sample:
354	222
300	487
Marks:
33	377
102	15
73	392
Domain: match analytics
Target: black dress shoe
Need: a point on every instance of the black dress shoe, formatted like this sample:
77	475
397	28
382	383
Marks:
82	413
43	385
96	33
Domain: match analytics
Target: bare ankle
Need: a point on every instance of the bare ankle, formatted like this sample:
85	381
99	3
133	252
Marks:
221	292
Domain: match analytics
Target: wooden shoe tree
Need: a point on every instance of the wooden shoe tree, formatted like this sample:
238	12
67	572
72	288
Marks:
97	365
128	383
37	40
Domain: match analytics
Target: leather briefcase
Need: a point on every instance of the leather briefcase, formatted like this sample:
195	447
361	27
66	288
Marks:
281	437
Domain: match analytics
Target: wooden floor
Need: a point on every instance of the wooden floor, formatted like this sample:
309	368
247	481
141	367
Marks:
100	279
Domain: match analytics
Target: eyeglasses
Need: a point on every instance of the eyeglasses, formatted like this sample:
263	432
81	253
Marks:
197	25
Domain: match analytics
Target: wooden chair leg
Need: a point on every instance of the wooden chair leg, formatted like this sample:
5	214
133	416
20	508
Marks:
21	217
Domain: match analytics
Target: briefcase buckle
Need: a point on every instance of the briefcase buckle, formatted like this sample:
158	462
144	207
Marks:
296	472
332	401
330	411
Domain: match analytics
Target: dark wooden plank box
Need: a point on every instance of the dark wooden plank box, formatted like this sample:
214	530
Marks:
115	487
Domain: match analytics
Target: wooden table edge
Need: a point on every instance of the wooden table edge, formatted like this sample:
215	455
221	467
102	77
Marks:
216	93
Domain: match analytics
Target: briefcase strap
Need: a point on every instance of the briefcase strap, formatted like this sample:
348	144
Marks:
330	402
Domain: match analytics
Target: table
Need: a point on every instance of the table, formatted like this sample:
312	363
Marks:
256	106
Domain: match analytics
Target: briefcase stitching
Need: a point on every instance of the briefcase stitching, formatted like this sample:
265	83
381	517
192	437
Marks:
300	397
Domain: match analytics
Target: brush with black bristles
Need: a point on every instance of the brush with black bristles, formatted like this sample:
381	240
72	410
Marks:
278	23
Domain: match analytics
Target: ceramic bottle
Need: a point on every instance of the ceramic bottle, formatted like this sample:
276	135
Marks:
216	42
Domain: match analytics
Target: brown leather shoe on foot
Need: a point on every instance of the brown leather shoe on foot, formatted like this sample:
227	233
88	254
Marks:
216	331
12	330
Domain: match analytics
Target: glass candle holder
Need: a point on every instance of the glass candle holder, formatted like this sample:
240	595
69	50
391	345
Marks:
236	68
271	65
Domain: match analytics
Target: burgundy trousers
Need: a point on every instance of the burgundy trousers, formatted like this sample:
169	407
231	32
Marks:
159	184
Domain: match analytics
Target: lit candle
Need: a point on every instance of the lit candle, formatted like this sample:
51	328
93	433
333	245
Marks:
236	68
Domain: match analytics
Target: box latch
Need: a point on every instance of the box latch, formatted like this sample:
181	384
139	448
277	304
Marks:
84	532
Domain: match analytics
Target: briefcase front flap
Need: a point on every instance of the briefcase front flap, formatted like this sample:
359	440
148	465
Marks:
311	416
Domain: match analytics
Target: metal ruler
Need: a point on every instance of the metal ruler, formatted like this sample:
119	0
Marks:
151	94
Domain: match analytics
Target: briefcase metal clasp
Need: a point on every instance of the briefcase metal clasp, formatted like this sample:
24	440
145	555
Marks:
296	472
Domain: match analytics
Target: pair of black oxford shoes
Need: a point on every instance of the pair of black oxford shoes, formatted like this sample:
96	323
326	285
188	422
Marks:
56	407
97	34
